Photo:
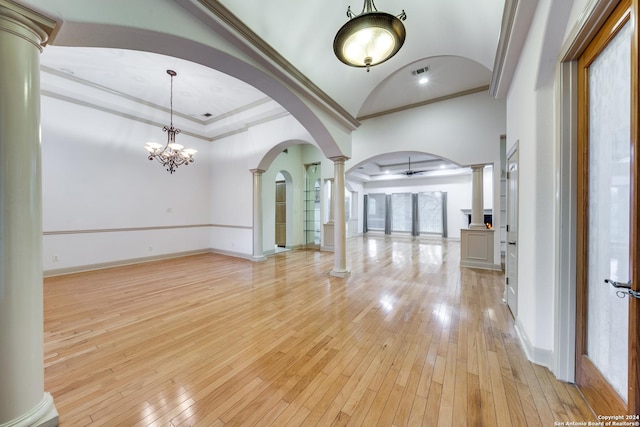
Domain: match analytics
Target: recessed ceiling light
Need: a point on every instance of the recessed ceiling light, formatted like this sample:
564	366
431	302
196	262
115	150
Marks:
423	80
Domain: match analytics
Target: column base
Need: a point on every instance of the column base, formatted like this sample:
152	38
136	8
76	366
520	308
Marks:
259	258
341	274
476	248
44	414
477	226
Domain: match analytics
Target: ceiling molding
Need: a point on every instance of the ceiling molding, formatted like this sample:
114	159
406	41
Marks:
243	128
427	102
104	109
294	75
508	19
158	107
239	110
250	124
120	94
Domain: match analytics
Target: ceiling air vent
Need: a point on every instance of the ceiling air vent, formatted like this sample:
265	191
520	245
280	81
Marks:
420	71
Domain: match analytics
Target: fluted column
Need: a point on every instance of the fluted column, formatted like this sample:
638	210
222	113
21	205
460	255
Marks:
23	401
477	206
258	244
340	225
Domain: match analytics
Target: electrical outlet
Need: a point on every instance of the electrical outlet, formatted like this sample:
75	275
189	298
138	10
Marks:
150	248
54	258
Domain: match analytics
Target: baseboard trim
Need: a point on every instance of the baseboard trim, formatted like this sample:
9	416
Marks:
44	414
132	261
536	355
481	265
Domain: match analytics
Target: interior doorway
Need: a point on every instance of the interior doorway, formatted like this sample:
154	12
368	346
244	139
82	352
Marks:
281	214
511	255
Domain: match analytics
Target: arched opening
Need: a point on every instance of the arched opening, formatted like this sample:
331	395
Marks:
283	211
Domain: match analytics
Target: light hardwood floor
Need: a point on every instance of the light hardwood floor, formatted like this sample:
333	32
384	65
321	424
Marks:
207	340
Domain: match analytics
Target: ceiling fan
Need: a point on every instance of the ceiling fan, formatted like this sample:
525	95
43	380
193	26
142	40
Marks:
410	172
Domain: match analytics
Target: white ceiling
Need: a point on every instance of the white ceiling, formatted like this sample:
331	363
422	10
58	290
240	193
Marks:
456	39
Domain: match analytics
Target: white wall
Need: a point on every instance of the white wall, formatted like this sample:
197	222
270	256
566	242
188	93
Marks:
465	130
531	122
104	201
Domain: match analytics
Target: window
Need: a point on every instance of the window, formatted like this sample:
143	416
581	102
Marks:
376	212
430	212
401	212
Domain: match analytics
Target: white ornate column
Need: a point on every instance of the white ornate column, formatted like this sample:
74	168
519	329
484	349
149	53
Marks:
477	203
23	401
332	195
258	244
340	225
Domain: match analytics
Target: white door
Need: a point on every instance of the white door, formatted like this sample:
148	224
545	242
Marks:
512	233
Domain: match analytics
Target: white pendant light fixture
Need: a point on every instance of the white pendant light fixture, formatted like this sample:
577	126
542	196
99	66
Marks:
172	154
370	38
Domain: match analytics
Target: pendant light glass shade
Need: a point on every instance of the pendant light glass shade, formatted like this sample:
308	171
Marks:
370	38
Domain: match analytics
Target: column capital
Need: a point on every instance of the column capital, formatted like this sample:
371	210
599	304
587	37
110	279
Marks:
339	159
15	19
257	171
477	167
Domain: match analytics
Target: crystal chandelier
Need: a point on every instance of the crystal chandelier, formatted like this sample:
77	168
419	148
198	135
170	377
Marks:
370	38
173	154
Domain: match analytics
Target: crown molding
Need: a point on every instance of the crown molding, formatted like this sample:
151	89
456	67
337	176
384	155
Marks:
423	103
203	123
506	29
292	75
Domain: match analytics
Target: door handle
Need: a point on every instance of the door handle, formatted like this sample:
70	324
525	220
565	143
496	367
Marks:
512	243
623	288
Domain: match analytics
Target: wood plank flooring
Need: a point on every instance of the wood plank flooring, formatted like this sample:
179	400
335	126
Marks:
410	339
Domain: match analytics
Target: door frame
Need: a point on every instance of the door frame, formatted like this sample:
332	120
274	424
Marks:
513	153
594	383
592	19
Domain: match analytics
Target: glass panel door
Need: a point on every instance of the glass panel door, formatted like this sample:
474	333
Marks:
608	209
